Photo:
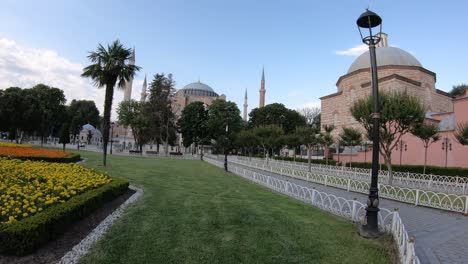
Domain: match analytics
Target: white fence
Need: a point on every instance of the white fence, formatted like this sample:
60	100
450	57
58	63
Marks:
449	202
429	182
351	209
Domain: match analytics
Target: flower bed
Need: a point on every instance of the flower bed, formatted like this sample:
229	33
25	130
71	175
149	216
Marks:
39	200
28	187
37	154
7	144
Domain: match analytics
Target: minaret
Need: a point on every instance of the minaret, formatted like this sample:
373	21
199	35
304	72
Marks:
143	91
262	89
128	85
245	105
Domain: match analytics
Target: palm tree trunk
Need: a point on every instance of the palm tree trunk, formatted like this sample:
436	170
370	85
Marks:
106	121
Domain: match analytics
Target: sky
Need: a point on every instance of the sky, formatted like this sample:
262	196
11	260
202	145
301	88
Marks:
305	46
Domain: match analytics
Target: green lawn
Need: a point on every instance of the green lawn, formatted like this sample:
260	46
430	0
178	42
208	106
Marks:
193	212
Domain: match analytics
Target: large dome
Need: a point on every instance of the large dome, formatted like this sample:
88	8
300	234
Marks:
199	89
385	56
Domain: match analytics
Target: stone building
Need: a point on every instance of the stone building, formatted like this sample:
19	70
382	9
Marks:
397	71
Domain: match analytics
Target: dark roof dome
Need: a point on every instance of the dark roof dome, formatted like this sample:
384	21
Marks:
385	56
199	89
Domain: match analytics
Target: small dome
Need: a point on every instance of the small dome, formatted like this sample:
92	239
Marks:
385	56
199	89
89	127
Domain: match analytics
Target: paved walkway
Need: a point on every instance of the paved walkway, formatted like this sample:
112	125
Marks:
441	236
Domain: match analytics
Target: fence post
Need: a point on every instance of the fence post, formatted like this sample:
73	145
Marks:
308	177
313	194
466	205
394	219
353	212
430	180
349	184
410	250
417	197
326	180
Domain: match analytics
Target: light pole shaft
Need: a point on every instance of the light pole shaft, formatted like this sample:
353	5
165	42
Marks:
372	206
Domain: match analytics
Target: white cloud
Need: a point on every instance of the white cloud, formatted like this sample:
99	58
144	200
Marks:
294	93
354	51
25	67
311	105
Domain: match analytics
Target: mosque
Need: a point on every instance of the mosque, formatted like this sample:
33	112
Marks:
193	92
398	70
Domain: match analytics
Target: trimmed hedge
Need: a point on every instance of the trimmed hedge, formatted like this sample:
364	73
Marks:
23	237
315	161
449	171
67	159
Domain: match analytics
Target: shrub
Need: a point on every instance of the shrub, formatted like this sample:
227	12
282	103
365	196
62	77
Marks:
450	171
23	237
176	153
68	159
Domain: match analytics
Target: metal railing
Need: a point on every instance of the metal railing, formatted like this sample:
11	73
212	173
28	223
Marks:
351	209
428	182
450	202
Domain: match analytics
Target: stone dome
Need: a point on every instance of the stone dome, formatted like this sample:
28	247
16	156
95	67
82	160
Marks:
89	127
199	89
385	56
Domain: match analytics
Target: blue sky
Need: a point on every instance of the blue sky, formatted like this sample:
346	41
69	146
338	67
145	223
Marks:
225	43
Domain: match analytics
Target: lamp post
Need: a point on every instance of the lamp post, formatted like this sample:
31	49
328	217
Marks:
447	146
367	21
112	136
225	149
402	145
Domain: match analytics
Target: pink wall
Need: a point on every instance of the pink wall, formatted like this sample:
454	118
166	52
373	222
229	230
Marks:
414	154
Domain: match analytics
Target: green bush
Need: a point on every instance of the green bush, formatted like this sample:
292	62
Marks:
23	237
450	171
67	159
314	161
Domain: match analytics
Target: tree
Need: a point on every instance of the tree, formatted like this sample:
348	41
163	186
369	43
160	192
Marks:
109	68
159	109
80	113
399	112
50	108
131	114
312	115
64	135
293	141
461	134
327	140
459	90
428	133
310	138
193	124
223	113
276	114
247	140
268	137
350	137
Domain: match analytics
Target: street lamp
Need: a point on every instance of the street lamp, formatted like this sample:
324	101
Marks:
369	20
447	146
112	136
225	150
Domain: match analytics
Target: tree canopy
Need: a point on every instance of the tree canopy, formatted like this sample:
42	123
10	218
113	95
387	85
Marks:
399	112
131	114
193	123
82	112
276	114
459	90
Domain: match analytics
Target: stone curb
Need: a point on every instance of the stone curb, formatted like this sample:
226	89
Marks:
73	256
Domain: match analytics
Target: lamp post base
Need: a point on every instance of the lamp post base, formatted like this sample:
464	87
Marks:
366	232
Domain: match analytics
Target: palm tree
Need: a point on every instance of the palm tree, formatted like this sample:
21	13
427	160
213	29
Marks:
109	67
428	133
350	137
461	134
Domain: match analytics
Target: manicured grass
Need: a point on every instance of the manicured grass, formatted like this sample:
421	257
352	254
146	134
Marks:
193	212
